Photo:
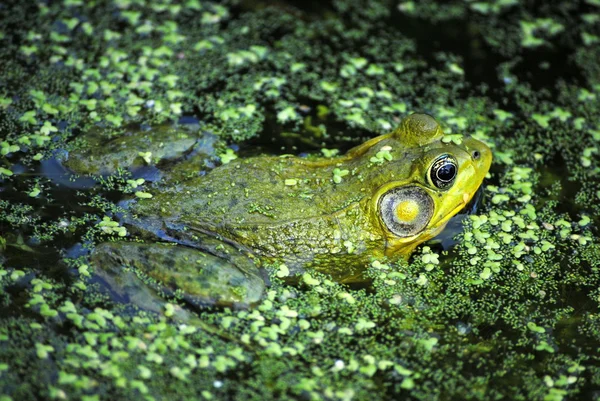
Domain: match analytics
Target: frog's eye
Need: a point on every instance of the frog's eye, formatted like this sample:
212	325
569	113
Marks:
443	171
406	211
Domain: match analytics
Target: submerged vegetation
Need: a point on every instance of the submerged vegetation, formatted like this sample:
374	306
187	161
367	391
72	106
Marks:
511	311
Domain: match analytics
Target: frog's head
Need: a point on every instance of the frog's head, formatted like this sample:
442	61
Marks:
442	178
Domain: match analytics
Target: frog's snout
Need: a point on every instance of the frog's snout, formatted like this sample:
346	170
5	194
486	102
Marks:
481	155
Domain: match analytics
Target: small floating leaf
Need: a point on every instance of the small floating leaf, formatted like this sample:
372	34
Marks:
143	195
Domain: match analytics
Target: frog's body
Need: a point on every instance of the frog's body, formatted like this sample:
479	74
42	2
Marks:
334	215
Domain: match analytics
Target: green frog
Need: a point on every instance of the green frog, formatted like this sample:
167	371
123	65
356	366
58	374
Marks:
207	237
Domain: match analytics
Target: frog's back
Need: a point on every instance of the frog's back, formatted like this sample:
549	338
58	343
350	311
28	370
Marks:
271	190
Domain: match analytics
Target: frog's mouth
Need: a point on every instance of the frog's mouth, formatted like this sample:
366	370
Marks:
469	205
474	203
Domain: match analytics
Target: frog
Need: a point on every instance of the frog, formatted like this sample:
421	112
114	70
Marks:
208	235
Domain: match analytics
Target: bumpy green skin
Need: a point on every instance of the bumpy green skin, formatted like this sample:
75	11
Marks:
291	210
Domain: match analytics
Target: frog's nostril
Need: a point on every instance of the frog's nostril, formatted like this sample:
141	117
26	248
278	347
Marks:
476	155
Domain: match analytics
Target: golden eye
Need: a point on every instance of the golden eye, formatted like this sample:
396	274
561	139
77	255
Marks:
406	211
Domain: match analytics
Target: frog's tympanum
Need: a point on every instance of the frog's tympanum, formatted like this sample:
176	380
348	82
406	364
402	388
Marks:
332	215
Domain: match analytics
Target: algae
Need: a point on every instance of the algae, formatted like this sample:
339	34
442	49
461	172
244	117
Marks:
511	311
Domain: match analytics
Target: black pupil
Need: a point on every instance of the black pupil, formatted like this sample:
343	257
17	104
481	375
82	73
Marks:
446	172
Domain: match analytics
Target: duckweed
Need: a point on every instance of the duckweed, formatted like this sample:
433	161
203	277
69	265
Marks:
510	311
382	155
338	174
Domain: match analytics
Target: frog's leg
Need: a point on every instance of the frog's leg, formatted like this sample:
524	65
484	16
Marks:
197	277
96	154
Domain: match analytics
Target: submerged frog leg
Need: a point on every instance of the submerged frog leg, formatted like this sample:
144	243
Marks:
158	145
197	277
125	285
